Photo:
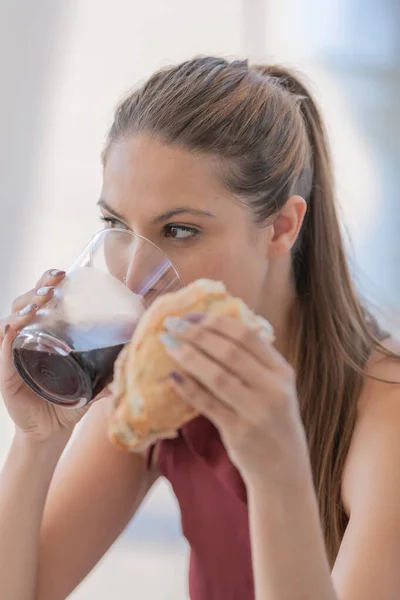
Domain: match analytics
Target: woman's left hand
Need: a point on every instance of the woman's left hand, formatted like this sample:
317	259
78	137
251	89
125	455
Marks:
245	387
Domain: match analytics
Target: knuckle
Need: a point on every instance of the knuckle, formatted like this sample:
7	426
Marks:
215	321
247	335
46	276
187	354
198	334
42	279
17	303
206	401
219	379
232	354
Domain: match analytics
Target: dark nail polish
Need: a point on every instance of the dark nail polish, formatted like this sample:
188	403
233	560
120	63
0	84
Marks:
194	317
176	376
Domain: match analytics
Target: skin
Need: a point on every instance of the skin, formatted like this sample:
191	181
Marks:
224	362
144	179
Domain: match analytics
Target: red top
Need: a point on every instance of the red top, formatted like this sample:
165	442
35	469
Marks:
213	505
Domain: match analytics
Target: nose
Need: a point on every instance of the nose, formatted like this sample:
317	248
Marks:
149	272
141	265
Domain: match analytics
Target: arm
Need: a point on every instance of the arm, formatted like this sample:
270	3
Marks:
51	535
288	552
368	563
24	484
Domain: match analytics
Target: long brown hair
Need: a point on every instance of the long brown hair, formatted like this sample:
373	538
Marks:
263	124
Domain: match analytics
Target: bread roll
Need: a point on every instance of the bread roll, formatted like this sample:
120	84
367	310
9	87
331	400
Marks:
146	406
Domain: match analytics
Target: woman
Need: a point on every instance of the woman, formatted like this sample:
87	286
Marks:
226	168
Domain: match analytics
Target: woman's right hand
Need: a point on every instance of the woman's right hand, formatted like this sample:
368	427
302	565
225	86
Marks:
34	418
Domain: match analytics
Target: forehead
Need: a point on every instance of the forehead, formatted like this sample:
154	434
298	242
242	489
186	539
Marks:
143	172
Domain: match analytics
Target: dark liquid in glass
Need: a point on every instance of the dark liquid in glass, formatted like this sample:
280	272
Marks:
65	378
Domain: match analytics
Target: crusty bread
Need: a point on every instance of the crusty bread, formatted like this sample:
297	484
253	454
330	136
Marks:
146	406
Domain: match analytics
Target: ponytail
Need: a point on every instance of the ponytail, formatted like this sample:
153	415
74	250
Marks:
335	335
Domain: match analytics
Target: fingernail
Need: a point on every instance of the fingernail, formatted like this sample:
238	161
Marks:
177	377
27	310
175	324
194	317
169	341
43	291
56	273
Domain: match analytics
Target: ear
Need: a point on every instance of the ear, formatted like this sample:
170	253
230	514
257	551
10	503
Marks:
286	226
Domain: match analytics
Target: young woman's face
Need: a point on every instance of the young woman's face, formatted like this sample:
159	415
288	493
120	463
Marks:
174	198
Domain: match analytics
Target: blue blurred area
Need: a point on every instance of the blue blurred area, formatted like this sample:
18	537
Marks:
363	51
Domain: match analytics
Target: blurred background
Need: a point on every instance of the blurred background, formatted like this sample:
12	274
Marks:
64	65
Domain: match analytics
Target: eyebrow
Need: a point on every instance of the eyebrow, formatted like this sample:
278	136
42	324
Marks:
108	208
179	210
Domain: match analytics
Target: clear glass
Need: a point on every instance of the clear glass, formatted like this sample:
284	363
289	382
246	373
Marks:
67	353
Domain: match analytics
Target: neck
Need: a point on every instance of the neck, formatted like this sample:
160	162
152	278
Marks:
278	302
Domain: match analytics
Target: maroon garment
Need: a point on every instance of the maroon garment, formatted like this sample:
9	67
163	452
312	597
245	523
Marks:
213	504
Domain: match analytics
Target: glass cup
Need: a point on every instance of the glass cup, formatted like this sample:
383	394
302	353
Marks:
67	353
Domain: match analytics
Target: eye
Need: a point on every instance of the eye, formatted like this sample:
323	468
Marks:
180	232
112	223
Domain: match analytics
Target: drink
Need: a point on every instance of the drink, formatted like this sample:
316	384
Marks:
66	374
57	375
66	354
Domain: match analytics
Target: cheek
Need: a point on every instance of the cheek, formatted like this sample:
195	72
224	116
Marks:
241	269
244	279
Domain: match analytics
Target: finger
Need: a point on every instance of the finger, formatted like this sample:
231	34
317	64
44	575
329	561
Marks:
194	394
18	320
6	362
23	300
254	341
22	317
231	355
38	297
212	376
50	277
46	281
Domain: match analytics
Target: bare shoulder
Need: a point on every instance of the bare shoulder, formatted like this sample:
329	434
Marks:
382	384
367	564
377	428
